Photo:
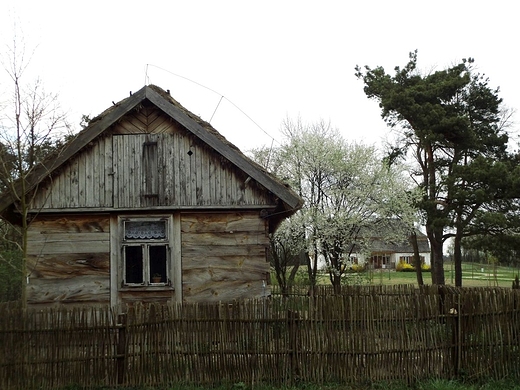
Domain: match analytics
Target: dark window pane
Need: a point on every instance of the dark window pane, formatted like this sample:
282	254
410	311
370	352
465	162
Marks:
133	264
158	263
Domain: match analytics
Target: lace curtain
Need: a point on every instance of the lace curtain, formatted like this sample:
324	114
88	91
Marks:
145	230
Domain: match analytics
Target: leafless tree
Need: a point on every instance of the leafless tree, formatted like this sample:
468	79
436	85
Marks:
31	127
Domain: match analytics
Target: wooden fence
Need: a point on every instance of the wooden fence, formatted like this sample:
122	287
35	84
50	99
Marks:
372	335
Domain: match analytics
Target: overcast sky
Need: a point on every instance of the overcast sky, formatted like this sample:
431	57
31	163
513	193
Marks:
271	59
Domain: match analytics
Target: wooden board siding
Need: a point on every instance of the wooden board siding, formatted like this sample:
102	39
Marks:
156	295
120	171
68	260
223	256
85	182
188	175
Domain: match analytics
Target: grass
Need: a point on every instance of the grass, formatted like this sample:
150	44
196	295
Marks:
434	384
473	275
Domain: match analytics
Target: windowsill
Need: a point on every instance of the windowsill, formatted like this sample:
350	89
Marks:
152	287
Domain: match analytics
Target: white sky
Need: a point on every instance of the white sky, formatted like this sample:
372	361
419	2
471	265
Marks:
273	59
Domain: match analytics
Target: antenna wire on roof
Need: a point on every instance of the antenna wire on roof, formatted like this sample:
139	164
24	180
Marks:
216	108
221	97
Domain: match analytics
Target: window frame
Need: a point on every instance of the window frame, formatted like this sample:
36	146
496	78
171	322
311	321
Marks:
145	245
409	259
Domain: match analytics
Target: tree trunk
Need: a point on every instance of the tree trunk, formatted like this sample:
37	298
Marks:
457	259
435	238
336	283
416	258
312	265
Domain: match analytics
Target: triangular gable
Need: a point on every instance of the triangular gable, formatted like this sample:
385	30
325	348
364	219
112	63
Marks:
200	129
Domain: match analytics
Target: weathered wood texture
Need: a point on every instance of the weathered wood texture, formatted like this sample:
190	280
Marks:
148	160
68	260
85	181
147	295
223	256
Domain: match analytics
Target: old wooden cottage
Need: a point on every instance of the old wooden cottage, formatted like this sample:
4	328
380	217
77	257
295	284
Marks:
150	203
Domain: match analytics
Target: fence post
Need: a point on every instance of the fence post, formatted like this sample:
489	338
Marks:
121	348
292	317
456	336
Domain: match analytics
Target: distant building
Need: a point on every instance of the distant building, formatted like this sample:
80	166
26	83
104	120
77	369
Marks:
387	254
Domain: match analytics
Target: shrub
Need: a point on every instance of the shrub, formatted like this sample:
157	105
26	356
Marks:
405	267
10	276
357	268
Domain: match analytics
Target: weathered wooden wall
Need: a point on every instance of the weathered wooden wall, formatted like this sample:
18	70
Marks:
86	181
117	171
148	163
68	260
223	256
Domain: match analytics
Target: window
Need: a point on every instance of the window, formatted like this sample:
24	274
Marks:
146	251
382	261
410	259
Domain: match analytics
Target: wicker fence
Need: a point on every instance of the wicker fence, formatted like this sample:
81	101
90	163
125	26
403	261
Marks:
370	335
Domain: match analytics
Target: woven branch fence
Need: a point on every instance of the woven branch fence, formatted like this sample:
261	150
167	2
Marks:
362	335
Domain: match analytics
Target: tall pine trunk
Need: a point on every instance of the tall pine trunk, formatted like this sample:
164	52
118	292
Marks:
457	258
416	258
435	238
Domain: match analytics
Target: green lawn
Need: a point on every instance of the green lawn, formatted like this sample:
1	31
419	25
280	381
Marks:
434	384
474	275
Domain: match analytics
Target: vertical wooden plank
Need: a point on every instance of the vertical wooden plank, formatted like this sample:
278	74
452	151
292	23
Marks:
130	177
115	266
123	167
99	174
182	171
163	140
176	190
137	173
176	239
58	193
89	160
211	180
95	178
205	176
165	163
191	152
107	188
80	163
117	171
199	175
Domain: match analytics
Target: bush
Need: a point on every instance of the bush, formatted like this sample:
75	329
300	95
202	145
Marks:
405	267
426	268
356	268
10	279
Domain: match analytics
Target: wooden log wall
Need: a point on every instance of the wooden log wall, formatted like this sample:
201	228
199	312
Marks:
69	260
223	256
